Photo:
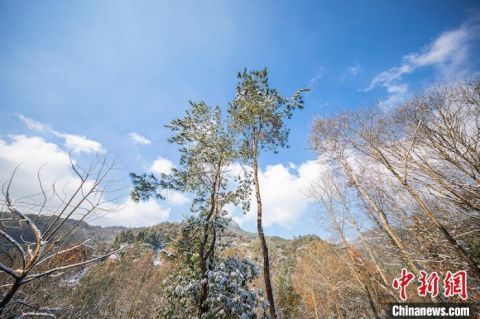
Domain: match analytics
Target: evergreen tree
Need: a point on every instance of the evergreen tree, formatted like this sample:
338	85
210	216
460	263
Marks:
258	115
203	283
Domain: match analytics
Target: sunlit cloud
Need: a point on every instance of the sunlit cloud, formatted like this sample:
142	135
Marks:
448	54
139	139
73	142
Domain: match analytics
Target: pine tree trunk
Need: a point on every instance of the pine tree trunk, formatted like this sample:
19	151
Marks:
205	254
263	243
202	308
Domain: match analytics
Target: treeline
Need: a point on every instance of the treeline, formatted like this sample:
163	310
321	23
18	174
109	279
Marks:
144	236
157	236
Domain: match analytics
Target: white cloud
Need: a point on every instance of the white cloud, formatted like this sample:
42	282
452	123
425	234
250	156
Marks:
50	163
139	139
34	125
74	143
56	168
397	94
165	166
284	190
134	214
449	47
447	53
81	144
18	150
176	198
162	165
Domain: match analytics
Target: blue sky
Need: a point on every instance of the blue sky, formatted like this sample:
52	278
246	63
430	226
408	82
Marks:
90	73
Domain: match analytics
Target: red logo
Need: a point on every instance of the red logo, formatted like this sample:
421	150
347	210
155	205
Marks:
429	284
453	284
403	282
456	284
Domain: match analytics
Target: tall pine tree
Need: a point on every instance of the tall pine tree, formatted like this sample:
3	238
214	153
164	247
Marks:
206	284
258	115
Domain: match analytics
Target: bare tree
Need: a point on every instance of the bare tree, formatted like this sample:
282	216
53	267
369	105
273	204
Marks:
416	170
380	140
326	283
36	232
330	139
333	196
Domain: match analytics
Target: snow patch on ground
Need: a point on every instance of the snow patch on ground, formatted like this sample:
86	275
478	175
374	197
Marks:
113	257
157	260
74	278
